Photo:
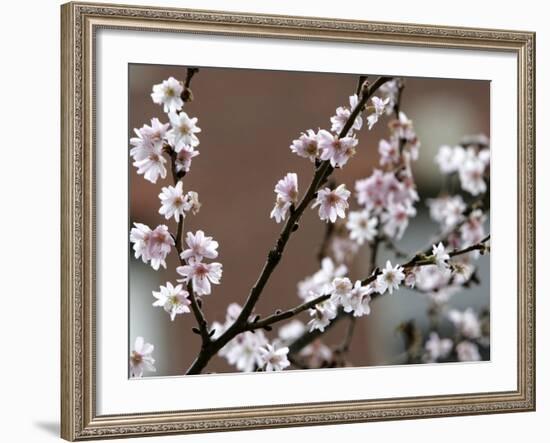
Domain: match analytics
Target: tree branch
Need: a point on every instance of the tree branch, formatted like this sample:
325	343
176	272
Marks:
322	172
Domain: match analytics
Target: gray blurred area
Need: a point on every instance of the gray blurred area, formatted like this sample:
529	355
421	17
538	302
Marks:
248	119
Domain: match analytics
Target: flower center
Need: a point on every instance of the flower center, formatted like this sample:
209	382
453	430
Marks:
170	92
137	358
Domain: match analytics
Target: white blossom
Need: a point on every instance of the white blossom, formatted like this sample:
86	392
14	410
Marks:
467	351
174	299
466	322
389	151
273	359
332	203
343	249
437	348
358	299
194	204
396	219
184	157
173	202
379	106
362	227
183	131
201	275
342	116
471	174
151	245
147	135
149	161
306	145
390	278
199	246
447	211
321	281
244	350
168	93
280	210
316	354
449	159
337	150
321	315
341	288
472	231
291	331
141	358
440	256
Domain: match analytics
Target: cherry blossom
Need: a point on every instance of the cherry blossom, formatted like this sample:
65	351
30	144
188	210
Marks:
141	358
379	106
332	203
147	135
466	322
280	210
342	116
437	348
273	359
362	227
173	299
201	275
447	211
337	150
396	219
321	281
440	256
316	354
306	145
173	202
168	93
150	161
467	351
472	230
389	90
244	351
291	331
199	246
183	131
389	152
358	299
287	188
184	157
194	204
322	314
471	174
151	245
390	278
449	159
341	288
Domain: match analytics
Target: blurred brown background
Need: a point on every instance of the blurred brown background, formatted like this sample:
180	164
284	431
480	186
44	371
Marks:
248	120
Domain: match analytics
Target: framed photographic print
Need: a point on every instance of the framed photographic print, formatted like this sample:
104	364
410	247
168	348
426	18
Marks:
282	221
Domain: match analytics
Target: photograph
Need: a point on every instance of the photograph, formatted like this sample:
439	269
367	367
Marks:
288	220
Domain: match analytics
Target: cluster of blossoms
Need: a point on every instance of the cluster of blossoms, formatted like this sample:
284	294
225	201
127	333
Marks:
152	150
250	350
470	160
466	343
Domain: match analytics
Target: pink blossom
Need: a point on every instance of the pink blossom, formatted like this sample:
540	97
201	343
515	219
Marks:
389	151
150	161
151	245
396	219
174	202
147	135
306	145
141	358
201	275
342	116
337	150
199	247
184	157
332	203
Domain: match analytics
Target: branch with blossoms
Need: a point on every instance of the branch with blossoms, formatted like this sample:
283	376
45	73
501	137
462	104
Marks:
386	198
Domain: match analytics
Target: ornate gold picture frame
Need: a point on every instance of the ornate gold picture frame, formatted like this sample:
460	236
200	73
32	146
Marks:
80	22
